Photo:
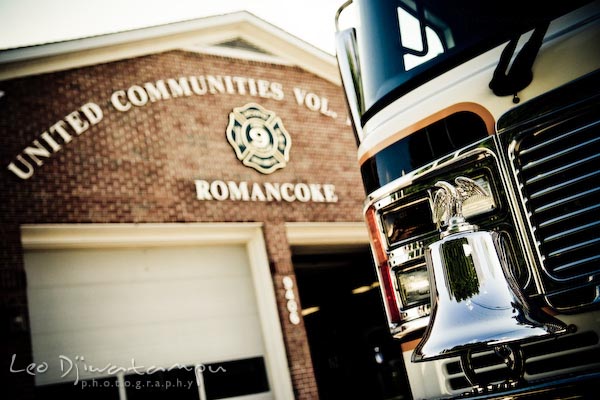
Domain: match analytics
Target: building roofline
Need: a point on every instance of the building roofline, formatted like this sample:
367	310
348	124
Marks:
198	33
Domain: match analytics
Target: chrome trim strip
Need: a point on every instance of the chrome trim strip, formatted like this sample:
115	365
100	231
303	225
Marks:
349	67
530	251
339	12
404	181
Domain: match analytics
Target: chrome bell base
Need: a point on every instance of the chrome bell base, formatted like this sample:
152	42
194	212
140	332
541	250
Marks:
475	302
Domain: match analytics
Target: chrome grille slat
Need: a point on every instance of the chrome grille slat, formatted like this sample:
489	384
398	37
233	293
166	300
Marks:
557	174
565	200
577	263
565	135
574	247
562	169
563	185
555	156
568	215
571	231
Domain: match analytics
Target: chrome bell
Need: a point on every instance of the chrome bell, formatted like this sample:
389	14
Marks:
475	302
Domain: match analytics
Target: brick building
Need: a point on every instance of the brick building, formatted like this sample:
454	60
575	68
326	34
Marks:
181	203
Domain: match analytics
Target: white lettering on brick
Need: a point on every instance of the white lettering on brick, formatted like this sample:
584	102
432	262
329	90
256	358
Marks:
265	192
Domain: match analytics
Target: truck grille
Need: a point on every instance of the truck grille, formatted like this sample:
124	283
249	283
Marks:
543	360
557	173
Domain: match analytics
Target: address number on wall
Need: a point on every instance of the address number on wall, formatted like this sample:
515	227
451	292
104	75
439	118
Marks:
292	305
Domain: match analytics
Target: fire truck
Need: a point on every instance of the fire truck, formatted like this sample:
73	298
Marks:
478	132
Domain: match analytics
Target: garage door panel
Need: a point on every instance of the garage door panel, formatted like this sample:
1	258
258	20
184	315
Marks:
131	265
156	346
141	303
153	307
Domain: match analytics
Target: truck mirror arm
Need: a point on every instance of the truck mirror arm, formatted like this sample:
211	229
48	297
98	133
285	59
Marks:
520	75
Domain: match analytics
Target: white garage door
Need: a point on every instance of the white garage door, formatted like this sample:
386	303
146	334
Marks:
101	311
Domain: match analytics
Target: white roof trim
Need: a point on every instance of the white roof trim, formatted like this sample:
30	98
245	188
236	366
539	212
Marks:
237	53
204	32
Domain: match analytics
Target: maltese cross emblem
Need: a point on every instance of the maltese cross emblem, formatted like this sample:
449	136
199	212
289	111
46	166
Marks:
258	138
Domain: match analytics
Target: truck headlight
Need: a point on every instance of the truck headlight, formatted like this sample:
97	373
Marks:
413	285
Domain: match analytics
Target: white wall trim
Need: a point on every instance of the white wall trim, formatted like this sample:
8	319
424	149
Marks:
326	233
65	236
70	236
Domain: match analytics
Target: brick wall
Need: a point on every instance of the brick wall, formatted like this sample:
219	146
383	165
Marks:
140	165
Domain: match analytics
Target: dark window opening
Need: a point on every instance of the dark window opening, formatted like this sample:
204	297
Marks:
221	380
235	378
179	383
422	147
402	44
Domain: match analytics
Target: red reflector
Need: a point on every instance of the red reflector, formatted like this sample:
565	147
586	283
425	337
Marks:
383	270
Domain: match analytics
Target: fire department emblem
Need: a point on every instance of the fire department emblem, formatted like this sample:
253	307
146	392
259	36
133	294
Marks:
259	138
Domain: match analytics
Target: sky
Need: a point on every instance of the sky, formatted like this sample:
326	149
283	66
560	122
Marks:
31	22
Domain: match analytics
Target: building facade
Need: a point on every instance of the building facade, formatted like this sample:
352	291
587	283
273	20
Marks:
159	190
